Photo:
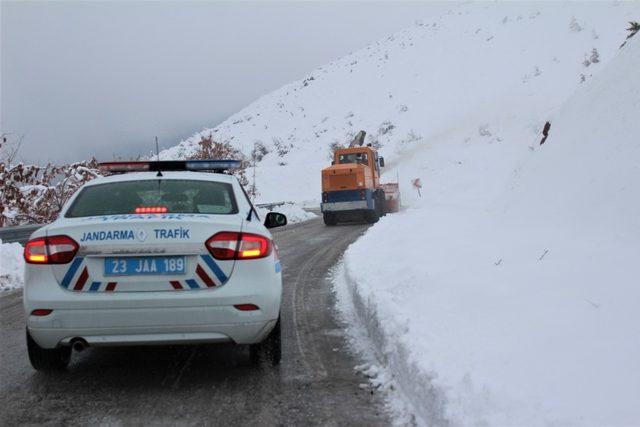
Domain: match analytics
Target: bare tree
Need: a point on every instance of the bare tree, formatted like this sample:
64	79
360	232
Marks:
9	149
31	194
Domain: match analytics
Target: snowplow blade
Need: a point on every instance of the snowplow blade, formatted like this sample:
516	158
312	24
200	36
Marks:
392	197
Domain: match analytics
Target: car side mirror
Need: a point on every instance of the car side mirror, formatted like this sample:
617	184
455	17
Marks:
381	161
275	219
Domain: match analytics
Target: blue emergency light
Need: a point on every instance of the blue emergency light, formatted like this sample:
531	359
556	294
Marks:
199	165
217	166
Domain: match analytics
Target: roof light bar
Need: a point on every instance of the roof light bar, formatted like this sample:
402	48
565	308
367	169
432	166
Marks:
170	165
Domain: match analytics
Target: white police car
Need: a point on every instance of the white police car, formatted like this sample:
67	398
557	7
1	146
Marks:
176	256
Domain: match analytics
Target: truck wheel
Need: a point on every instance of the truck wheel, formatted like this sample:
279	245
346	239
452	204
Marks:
372	216
269	350
47	360
382	210
330	218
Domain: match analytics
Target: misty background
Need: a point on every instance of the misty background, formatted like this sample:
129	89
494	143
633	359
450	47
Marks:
83	79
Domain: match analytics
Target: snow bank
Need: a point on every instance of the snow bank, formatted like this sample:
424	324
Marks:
295	213
508	294
11	266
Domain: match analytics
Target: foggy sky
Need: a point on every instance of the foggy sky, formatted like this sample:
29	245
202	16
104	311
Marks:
82	79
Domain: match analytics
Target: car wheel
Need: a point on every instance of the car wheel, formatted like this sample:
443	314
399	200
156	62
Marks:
42	359
268	351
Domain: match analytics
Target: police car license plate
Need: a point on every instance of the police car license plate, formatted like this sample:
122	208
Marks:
148	265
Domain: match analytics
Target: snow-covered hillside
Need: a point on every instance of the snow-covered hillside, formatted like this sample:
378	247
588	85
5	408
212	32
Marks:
482	73
519	309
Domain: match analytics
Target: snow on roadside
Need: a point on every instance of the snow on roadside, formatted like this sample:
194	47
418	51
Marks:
511	299
294	212
366	340
11	266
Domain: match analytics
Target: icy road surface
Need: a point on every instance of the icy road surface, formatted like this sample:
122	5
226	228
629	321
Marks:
316	383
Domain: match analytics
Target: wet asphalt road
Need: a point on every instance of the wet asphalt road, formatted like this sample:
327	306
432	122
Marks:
207	384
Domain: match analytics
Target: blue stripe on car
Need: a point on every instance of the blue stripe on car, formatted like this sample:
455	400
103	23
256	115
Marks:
94	286
192	284
216	269
66	280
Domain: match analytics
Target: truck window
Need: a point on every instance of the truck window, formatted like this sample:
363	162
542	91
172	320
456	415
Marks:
361	158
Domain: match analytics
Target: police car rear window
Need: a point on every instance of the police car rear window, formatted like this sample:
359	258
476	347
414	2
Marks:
170	195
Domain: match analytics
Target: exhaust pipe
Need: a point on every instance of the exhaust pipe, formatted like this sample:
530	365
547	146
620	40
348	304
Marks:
79	344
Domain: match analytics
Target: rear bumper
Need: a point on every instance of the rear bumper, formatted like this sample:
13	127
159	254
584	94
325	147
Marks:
134	326
344	206
187	316
348	200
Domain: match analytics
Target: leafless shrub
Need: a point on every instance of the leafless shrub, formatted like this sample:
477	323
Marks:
592	58
385	127
259	151
483	130
210	149
574	25
31	194
281	147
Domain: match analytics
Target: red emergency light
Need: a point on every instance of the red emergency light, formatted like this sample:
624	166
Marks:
151	209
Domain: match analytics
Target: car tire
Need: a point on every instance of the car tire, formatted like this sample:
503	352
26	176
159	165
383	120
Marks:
330	219
47	360
268	351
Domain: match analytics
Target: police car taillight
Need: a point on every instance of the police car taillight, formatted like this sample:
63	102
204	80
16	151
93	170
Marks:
231	245
50	250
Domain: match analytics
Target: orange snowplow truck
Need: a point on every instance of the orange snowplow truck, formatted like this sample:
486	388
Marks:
351	188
